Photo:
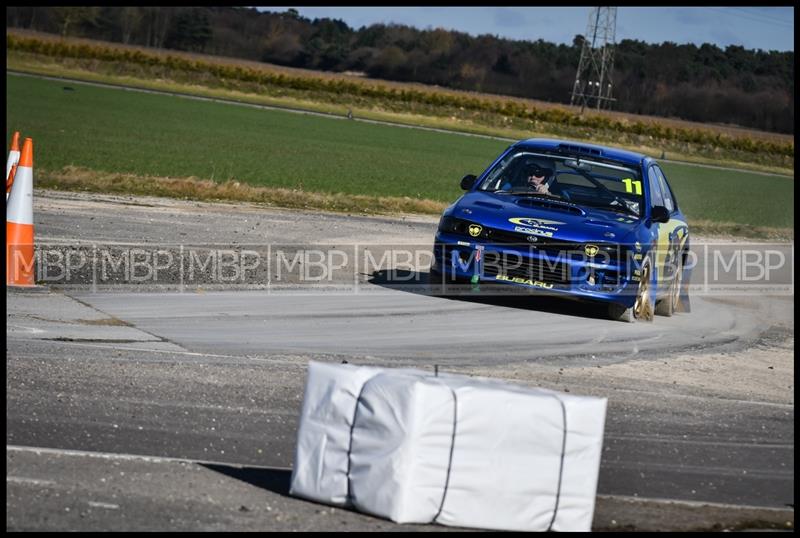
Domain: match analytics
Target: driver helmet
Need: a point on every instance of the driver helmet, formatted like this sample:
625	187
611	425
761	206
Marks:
535	169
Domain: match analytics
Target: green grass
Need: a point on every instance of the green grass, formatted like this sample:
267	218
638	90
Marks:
153	135
732	196
131	132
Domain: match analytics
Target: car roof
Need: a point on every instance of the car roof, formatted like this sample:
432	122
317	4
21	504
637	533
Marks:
582	148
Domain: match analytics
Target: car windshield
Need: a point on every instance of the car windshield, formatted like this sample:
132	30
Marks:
578	180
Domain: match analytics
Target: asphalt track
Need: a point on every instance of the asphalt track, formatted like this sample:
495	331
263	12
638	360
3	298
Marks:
183	405
394	327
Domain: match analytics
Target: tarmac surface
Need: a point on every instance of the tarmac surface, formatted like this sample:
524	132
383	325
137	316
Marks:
132	407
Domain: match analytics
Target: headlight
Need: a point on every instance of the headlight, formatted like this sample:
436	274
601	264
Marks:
446	224
454	226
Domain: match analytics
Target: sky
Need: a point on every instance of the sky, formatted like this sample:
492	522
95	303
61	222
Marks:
766	28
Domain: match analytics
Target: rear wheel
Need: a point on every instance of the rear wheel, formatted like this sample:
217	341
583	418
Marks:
669	305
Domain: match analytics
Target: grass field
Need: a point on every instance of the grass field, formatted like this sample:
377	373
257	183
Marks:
120	132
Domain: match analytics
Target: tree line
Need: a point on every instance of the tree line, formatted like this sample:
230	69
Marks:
734	85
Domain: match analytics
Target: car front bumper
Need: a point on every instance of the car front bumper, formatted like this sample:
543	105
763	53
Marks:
564	272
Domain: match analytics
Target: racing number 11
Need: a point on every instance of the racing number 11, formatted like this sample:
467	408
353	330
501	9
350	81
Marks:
630	184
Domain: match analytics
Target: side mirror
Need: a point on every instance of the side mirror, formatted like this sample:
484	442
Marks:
659	213
468	181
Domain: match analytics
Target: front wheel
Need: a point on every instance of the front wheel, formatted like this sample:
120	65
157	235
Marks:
618	312
642	309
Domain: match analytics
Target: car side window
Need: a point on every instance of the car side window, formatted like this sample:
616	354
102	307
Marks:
669	203
656	198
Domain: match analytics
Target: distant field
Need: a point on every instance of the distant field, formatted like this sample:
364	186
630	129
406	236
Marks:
329	75
410	104
117	131
732	196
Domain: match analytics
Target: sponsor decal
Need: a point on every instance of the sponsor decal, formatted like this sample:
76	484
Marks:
463	243
638	245
532	238
525	221
533	231
534	226
591	250
475	230
519	280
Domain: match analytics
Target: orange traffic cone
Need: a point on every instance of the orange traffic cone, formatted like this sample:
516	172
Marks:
10	180
11	163
19	222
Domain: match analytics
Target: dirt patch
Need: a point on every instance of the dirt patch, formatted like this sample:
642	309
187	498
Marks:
107	322
762	373
103	322
74	178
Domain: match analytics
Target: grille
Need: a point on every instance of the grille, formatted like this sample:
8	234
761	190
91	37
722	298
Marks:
529	268
542	244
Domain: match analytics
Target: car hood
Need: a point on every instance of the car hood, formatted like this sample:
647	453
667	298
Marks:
544	218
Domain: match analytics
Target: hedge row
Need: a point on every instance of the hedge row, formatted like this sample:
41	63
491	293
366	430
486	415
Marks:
514	109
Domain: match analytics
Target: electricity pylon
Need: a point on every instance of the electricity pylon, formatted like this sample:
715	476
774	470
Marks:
593	82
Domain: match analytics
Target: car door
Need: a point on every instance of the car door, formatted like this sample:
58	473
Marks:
671	235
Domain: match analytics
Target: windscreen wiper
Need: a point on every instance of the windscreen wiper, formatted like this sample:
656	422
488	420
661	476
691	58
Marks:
608	191
621	204
620	208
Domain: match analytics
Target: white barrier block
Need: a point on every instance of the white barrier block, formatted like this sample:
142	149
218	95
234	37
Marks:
417	448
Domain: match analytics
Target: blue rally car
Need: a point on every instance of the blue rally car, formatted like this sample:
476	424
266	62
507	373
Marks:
569	218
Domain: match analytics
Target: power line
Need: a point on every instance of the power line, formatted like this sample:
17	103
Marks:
764	16
752	18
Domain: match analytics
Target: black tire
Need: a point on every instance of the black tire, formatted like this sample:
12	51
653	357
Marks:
618	312
669	304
